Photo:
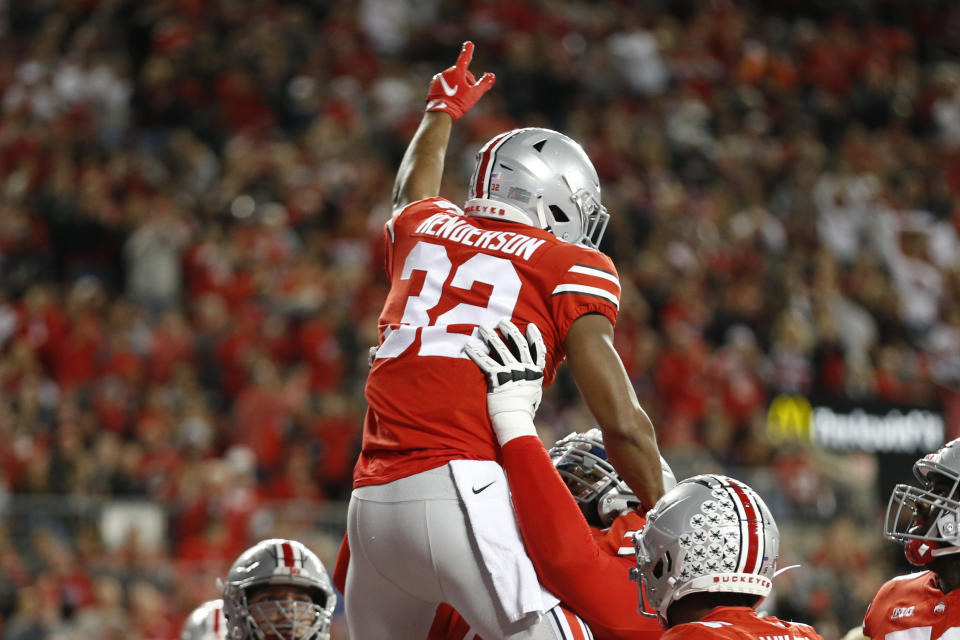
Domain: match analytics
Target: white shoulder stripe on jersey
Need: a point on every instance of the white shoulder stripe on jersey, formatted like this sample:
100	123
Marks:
389	226
596	273
588	291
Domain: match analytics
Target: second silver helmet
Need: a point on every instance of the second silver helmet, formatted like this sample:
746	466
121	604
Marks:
710	533
542	178
581	460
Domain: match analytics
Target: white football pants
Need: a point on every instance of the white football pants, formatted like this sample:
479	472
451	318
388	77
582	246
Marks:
411	548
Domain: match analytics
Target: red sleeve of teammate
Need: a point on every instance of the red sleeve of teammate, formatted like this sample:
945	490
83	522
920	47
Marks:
595	585
587	282
343	561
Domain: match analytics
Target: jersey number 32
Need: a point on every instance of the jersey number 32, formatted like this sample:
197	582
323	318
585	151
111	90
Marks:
435	340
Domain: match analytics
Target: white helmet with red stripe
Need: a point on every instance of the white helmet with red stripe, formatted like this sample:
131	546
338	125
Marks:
710	533
542	178
205	623
278	563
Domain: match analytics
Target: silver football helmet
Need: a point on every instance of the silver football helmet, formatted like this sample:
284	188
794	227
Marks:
710	533
933	528
539	177
581	460
205	623
278	562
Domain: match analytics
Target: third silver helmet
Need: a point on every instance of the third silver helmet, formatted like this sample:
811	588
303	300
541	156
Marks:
205	623
542	178
581	460
933	526
278	561
710	533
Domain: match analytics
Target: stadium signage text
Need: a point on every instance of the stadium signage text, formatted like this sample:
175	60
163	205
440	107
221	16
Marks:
793	417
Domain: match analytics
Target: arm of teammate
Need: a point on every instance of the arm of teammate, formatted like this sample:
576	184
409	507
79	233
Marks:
339	576
452	93
593	584
628	434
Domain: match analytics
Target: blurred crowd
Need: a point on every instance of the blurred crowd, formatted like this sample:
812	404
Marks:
192	196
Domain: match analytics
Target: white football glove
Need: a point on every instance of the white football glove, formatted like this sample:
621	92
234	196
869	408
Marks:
514	369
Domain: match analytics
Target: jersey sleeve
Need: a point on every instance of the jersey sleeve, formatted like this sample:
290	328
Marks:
871	624
586	282
595	585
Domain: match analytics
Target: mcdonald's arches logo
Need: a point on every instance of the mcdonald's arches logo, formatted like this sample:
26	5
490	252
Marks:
789	418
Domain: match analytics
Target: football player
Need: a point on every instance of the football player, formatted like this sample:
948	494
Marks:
924	519
523	247
279	590
706	558
205	623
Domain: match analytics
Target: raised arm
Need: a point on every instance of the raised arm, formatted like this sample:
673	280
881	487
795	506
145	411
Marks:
628	434
422	166
452	93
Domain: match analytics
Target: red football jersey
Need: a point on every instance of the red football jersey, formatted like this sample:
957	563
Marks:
450	273
587	568
912	607
740	623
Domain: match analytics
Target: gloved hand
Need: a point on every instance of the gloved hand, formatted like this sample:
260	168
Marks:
514	370
455	90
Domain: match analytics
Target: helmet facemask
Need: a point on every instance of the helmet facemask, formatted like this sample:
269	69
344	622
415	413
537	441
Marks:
302	606
287	618
581	460
933	526
593	215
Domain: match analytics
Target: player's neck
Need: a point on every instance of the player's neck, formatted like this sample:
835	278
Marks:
683	612
948	575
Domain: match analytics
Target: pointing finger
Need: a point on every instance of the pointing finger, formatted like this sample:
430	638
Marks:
466	55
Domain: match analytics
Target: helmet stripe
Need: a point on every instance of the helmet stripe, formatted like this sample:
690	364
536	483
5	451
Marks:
484	165
750	528
289	560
